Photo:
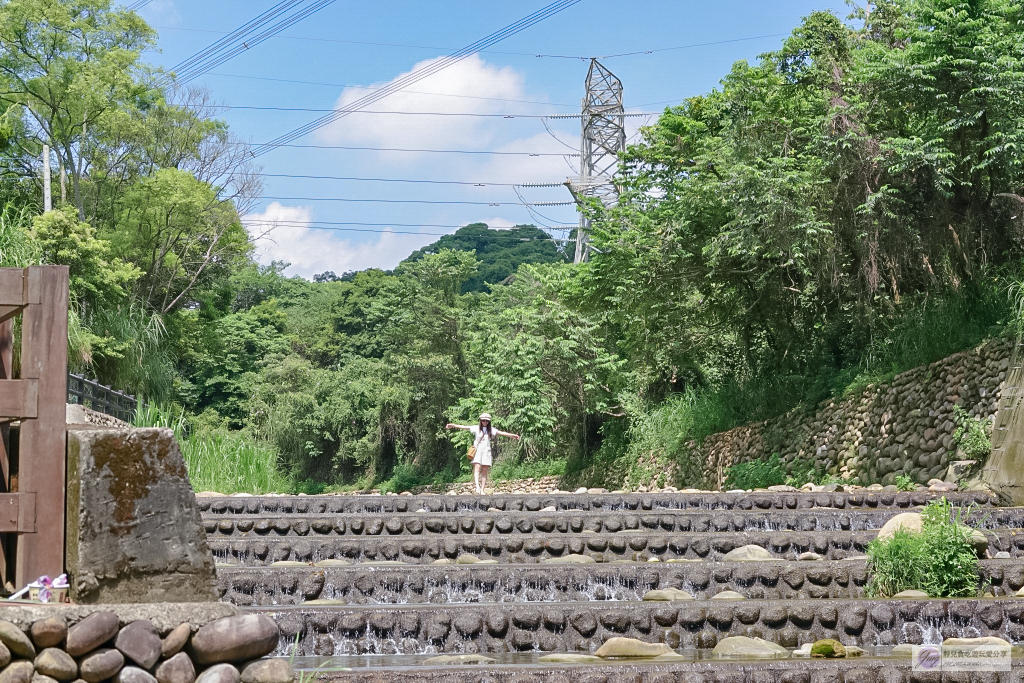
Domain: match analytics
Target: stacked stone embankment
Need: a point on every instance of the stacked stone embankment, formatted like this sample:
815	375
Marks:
904	426
152	643
532	588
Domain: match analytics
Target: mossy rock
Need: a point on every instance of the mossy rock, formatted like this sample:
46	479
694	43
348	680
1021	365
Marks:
828	648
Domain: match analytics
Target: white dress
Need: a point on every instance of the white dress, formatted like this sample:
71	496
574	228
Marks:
483	446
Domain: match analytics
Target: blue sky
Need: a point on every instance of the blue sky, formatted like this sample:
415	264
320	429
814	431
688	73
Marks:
337	54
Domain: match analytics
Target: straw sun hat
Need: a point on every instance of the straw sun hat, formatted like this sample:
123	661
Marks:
485	416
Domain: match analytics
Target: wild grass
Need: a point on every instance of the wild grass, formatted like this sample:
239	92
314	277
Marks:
218	459
509	469
755	474
939	560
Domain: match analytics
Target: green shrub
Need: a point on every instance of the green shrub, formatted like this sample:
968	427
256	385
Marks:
971	435
508	469
404	477
755	474
897	564
939	560
905	483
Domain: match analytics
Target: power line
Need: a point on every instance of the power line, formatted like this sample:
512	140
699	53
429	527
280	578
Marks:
296	223
420	74
434	151
139	4
235	35
500	52
433	113
401	232
409	180
409	201
242	39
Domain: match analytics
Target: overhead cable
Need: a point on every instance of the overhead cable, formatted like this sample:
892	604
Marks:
420	74
410	201
433	151
298	223
277	224
139	4
245	40
238	34
505	52
409	180
436	113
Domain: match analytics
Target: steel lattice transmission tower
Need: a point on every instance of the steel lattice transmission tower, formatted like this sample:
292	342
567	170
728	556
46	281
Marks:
603	137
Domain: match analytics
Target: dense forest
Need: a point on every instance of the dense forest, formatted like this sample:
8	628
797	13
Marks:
849	206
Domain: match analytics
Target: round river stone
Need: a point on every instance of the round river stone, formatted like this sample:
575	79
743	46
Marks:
16	640
100	665
175	640
268	671
91	632
139	642
222	673
49	632
177	669
56	663
234	639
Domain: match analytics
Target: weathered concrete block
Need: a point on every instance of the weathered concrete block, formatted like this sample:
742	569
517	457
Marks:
134	533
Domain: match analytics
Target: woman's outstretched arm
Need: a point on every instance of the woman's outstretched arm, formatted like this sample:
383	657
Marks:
454	426
508	434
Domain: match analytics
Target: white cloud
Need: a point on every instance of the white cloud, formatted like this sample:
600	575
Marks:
163	12
477	87
283	233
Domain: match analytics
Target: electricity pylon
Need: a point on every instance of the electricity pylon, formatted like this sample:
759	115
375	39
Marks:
603	137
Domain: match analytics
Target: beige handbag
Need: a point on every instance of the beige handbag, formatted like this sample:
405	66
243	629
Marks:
471	451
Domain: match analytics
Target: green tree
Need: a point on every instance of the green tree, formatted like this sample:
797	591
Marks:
498	252
68	64
181	235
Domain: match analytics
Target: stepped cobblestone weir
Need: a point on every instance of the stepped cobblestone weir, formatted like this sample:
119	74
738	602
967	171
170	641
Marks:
526	588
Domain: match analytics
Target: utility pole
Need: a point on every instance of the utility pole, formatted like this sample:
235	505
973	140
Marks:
603	136
47	202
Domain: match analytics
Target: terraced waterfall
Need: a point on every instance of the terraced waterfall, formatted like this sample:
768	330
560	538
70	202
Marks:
527	587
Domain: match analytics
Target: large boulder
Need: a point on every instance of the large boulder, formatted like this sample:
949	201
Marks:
828	648
667	595
124	485
631	647
911	522
748	553
743	647
235	639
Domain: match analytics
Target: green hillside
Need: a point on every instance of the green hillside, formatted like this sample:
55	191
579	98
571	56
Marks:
499	252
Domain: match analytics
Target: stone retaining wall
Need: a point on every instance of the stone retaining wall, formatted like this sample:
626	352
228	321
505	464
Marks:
901	427
524	523
781	671
153	643
583	627
262	505
461	584
607	547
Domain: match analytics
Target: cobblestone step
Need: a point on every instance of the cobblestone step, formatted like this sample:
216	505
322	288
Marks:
456	584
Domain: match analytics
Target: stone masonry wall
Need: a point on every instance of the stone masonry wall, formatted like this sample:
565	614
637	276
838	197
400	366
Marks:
902	427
